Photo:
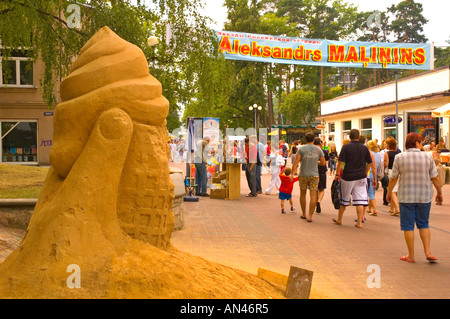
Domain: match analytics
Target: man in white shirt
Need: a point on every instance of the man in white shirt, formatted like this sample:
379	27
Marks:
200	160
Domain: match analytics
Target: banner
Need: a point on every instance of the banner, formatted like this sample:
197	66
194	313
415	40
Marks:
342	54
211	129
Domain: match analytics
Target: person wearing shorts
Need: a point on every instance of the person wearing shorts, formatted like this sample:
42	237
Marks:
322	175
309	157
413	170
353	183
286	187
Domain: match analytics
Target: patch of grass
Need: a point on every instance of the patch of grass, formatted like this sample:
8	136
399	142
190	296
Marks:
21	181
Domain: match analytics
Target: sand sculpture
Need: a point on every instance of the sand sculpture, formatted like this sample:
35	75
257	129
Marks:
104	210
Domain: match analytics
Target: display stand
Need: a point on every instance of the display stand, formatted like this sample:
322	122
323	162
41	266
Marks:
233	177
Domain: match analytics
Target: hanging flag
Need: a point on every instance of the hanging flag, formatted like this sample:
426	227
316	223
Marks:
315	52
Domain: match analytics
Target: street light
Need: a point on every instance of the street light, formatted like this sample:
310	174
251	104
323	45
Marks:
255	108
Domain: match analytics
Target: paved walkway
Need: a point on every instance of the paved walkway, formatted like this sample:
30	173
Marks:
251	233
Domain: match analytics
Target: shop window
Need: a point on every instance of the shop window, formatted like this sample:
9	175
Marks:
331	128
366	129
331	131
346	128
16	70
19	141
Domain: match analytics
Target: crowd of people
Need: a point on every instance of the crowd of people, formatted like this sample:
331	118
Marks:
360	167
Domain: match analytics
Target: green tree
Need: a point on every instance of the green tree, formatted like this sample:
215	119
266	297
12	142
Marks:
301	106
408	21
274	74
248	82
176	61
442	56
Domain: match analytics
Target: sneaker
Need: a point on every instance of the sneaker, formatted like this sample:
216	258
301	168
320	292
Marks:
292	208
318	209
283	211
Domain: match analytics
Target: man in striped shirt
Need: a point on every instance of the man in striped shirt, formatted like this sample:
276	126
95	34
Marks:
417	174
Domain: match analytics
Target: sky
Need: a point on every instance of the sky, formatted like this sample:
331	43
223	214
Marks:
437	29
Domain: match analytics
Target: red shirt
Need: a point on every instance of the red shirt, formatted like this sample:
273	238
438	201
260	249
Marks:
286	184
250	154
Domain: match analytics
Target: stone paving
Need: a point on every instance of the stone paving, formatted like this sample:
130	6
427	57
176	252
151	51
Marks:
251	233
10	238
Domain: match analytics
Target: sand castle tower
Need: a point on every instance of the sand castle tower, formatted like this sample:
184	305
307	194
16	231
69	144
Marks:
113	73
105	206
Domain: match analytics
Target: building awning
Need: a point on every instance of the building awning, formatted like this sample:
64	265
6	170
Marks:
443	111
313	125
386	104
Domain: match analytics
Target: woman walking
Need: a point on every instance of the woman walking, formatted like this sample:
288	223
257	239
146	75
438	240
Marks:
373	148
389	156
415	192
293	151
276	162
332	162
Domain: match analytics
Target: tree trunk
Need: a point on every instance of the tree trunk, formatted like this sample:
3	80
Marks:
279	95
269	98
343	71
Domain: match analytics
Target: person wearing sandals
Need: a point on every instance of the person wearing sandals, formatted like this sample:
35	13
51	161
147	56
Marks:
389	157
373	148
353	182
416	174
308	157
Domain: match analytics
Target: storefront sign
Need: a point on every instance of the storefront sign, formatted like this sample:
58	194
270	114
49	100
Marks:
289	50
48	113
424	124
391	119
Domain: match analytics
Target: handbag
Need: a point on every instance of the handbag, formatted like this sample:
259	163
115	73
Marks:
385	181
335	191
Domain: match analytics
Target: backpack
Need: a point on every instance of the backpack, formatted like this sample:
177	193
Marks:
381	171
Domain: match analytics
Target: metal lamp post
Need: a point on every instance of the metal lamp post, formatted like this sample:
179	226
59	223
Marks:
396	107
255	108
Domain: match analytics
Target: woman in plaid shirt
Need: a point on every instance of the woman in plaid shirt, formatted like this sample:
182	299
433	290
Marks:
414	170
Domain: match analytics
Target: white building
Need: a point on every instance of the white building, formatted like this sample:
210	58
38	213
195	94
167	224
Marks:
369	110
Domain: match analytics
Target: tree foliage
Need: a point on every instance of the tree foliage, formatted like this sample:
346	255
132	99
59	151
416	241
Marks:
301	106
408	22
176	62
196	79
442	56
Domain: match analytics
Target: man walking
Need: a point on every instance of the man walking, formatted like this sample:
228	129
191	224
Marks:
259	161
353	183
200	160
251	155
418	174
309	156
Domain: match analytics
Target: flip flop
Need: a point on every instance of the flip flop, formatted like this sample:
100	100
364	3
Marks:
406	258
335	221
302	217
356	225
432	259
394	214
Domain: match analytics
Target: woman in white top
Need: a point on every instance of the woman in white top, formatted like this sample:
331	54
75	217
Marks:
276	162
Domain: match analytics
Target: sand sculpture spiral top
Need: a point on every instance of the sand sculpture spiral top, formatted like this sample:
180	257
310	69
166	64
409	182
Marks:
109	72
113	73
